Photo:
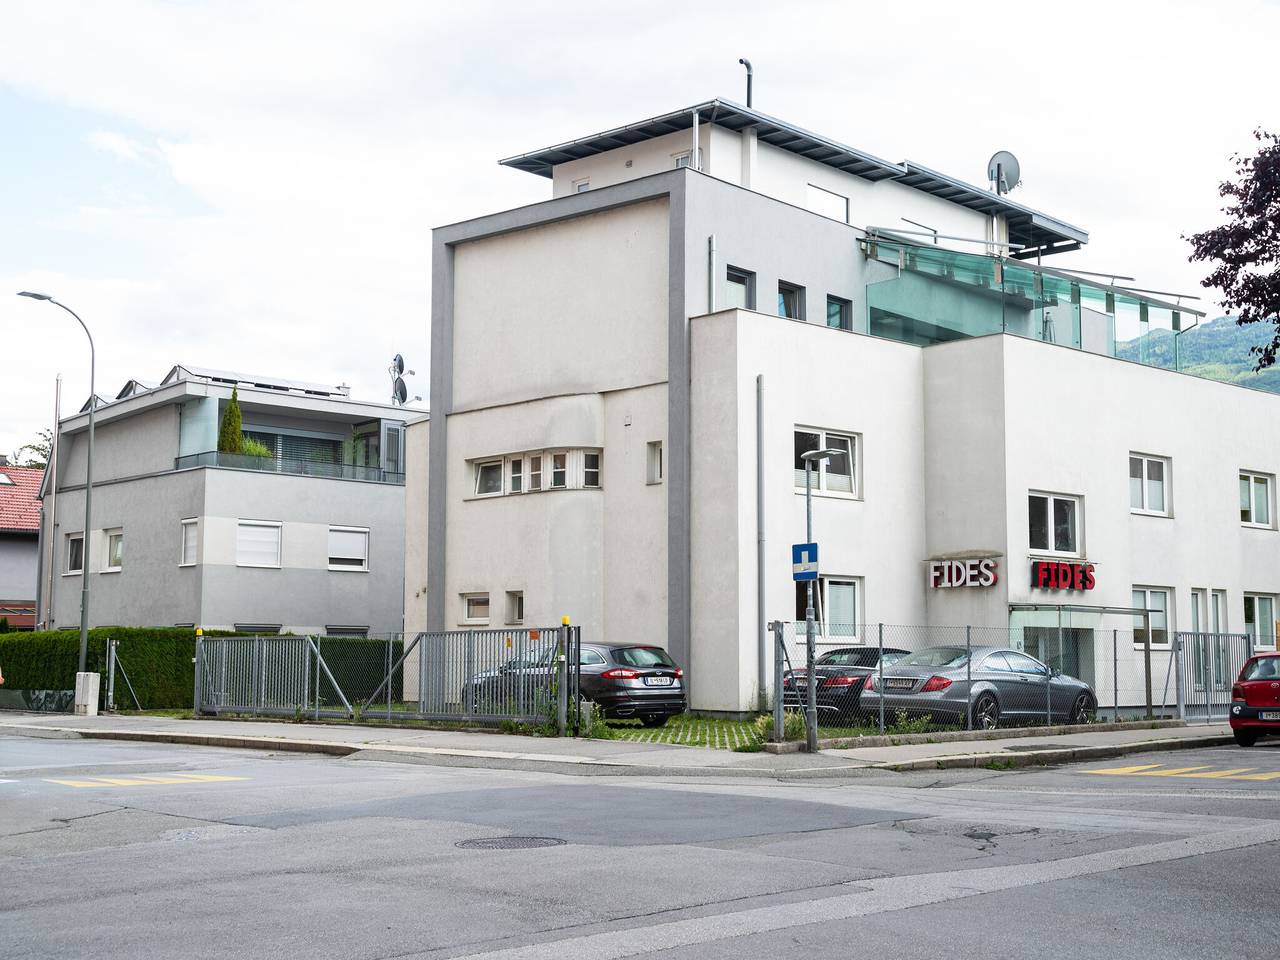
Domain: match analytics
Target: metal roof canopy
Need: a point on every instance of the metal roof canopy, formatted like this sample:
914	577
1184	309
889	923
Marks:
1079	608
1026	226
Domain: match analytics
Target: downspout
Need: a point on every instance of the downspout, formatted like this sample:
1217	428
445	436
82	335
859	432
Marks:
693	157
39	569
747	63
761	651
711	273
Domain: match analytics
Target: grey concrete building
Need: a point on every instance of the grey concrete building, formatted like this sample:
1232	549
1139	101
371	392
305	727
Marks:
308	539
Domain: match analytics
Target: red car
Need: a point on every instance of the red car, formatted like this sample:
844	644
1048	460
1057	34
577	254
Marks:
1255	699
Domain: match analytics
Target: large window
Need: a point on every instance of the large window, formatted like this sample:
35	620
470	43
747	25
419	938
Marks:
1260	619
1054	523
190	543
837	474
1155	600
348	548
790	300
739	288
114	560
75	553
522	473
836	606
257	543
1148	491
1255	499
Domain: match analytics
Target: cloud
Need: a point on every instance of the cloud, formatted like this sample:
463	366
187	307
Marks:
116	144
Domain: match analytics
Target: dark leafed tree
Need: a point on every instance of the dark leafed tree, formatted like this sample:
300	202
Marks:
1245	251
36	453
230	439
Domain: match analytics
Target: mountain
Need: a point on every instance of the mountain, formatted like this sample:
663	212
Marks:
1217	350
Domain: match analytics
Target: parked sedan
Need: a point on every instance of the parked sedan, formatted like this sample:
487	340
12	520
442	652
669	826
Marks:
841	675
1255	699
998	685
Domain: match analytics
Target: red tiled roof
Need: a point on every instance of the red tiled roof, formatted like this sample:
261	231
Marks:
19	508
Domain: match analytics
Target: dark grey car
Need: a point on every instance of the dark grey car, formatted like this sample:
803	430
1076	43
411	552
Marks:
999	686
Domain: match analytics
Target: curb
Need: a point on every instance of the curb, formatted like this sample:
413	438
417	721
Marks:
1051	756
954	736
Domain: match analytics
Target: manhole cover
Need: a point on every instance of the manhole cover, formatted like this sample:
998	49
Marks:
508	843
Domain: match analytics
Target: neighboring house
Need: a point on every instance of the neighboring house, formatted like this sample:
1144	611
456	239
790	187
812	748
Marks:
307	540
597	360
19	543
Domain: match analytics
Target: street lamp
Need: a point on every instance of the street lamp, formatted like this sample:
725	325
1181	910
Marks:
88	484
811	457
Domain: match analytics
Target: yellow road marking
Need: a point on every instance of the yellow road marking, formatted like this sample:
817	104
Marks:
1176	771
1258	776
1217	774
1120	771
1191	773
146	780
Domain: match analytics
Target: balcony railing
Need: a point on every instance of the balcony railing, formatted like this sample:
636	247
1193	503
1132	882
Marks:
306	468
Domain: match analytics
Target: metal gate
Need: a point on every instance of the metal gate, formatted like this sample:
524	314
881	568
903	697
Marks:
467	675
1208	664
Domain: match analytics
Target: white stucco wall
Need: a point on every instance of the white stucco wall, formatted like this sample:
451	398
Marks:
416	439
646	158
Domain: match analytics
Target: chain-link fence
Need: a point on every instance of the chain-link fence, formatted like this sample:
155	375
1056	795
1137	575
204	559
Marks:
902	679
482	676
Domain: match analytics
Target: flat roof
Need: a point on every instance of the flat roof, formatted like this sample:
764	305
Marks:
1027	227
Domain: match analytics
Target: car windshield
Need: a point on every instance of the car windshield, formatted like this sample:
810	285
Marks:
643	657
848	658
533	658
1264	668
936	657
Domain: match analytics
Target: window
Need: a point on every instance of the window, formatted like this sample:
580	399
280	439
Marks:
827	203
1156	602
1053	523
836	473
1147	485
75	553
190	542
589	658
345	630
1021	663
261	629
790	301
558	461
515	606
835	607
839	313
535	473
582	186
1255	499
348	548
517	475
591	469
475	608
653	469
115	551
489	478
682	159
257	543
1260	619
740	288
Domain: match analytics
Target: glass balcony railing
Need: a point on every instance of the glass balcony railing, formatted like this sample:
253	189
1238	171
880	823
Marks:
307	468
936	294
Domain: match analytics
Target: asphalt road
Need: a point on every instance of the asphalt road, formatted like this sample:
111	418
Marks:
155	851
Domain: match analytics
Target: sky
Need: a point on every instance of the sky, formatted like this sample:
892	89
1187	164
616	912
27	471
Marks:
251	186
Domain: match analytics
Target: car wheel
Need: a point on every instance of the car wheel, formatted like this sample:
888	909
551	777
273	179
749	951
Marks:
986	712
1245	738
654	721
1083	710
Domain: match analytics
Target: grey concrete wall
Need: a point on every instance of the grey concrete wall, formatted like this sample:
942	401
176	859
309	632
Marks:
130	447
18	562
417	440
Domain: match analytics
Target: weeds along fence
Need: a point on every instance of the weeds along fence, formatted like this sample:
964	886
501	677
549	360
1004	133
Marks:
485	676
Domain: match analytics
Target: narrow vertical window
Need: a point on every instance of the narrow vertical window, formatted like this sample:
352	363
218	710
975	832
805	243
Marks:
558	469
740	289
75	553
535	473
190	543
517	475
790	300
115	551
591	469
653	469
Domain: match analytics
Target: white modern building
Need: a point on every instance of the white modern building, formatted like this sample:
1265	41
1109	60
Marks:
624	376
306	540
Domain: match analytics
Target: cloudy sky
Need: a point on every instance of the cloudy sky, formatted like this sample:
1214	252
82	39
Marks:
251	185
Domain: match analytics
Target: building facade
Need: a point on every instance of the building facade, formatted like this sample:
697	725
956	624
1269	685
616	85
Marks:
624	376
308	539
19	543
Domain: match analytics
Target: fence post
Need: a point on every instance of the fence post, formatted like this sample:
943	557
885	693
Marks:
1115	674
1146	655
1048	677
1177	682
968	677
880	667
562	682
111	675
577	680
198	663
779	651
387	668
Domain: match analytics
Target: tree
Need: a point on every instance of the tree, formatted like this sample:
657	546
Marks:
230	437
1245	250
36	453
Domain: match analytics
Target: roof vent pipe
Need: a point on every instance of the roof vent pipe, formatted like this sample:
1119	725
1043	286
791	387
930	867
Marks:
747	63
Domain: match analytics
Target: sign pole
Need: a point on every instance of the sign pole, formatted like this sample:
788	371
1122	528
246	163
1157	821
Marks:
811	701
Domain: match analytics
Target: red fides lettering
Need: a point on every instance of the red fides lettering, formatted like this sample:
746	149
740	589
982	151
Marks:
1051	575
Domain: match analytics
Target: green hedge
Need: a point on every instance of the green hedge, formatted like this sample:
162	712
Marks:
157	659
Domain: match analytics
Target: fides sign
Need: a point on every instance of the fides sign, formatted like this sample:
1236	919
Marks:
1052	575
963	573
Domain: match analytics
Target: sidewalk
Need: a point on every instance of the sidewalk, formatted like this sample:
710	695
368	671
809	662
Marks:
605	757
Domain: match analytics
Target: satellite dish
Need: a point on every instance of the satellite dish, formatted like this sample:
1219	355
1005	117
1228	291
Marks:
1003	170
398	364
400	391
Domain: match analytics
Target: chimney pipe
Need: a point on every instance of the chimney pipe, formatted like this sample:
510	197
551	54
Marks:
747	63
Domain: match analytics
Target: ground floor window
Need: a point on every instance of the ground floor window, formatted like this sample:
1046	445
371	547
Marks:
837	605
475	608
1260	619
1155	600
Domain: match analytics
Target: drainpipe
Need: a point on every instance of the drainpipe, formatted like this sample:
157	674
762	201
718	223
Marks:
711	273
761	652
747	63
693	157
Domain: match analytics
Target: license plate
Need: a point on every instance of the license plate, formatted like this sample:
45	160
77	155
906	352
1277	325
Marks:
899	683
1269	715
657	681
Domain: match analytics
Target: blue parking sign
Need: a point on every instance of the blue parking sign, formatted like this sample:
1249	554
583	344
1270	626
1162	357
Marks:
804	561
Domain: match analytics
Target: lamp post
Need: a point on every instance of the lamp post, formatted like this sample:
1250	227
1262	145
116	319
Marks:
811	701
88	483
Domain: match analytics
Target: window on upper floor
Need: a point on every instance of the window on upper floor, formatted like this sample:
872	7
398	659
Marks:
1053	523
190	543
523	473
684	158
835	475
489	478
349	548
839	313
790	300
258	543
740	288
1255	499
114	559
75	553
535	472
515	475
582	186
559	470
1148	484
653	466
591	469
